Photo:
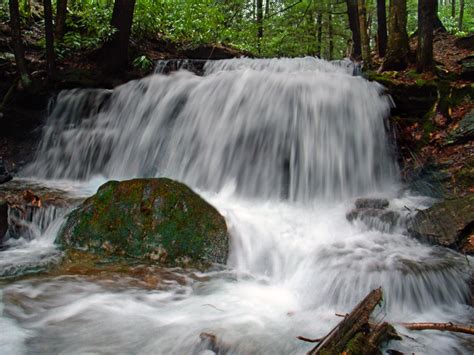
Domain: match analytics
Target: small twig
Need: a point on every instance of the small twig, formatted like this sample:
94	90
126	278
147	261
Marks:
308	340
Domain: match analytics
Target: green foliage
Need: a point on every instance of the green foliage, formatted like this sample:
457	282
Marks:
142	63
290	27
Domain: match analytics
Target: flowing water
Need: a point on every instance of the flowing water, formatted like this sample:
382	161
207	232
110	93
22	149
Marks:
282	148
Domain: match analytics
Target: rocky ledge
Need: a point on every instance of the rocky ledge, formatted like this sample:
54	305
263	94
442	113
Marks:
449	223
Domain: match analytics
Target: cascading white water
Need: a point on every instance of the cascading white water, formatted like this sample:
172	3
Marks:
281	147
275	128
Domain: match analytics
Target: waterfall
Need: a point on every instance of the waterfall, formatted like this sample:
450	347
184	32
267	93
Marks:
281	147
274	128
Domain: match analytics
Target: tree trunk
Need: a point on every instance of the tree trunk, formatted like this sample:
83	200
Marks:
396	57
319	23
364	36
61	11
453	8
353	15
461	14
438	25
117	48
17	43
259	24
330	35
424	52
381	28
267	8
48	25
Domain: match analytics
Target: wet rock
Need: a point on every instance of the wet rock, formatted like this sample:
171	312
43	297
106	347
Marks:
375	218
411	99
211	52
449	223
4	175
465	130
3	220
377	203
467	68
157	220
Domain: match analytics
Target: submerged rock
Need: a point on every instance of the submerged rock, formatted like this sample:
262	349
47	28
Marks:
374	214
158	220
377	203
449	223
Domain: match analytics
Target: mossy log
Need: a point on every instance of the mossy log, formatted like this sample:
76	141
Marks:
355	335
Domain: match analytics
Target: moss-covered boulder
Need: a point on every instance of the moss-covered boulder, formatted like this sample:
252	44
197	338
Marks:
449	223
158	220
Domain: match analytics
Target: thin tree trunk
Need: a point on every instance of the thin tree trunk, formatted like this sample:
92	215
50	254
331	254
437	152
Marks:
438	25
353	16
364	36
424	52
17	43
267	8
330	35
117	48
259	24
381	28
61	12
453	8
319	23
461	14
396	57
48	25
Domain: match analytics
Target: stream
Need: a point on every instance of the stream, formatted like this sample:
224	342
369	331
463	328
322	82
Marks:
282	148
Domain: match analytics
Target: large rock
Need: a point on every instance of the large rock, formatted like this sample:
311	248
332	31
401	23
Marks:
465	130
158	220
449	223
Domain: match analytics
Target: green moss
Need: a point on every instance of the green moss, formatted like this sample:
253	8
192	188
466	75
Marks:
357	345
155	219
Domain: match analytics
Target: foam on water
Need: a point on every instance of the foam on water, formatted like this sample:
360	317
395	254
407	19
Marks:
281	147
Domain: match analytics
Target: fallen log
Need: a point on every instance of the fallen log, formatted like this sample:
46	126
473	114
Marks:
354	334
450	327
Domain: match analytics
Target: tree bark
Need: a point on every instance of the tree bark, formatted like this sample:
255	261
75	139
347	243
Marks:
48	25
396	57
438	25
381	28
61	11
267	8
461	14
424	52
330	35
353	16
453	8
259	24
319	22
364	36
17	43
117	48
355	328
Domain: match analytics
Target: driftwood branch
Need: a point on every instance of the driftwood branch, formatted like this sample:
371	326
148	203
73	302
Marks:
355	332
449	327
